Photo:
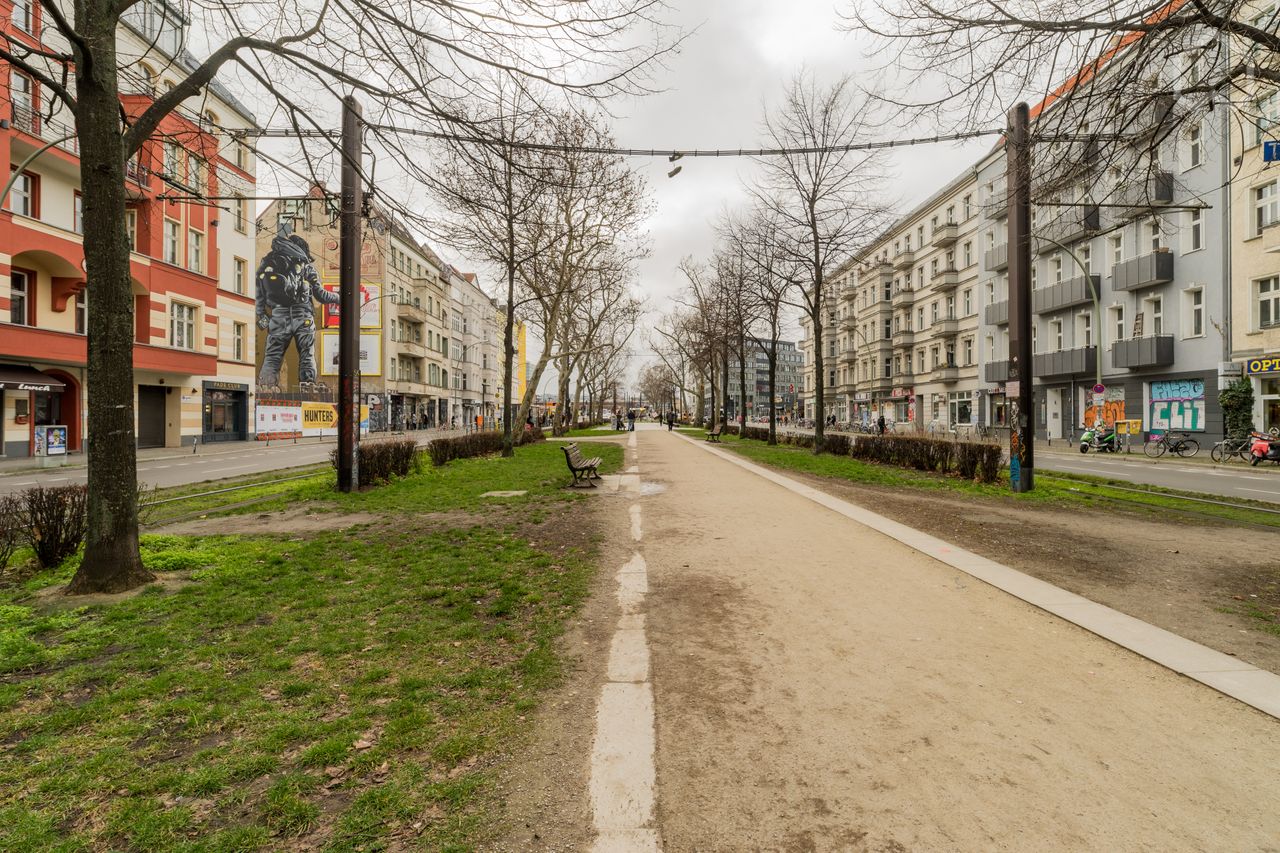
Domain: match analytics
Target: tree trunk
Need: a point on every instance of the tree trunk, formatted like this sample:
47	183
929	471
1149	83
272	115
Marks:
742	383
773	376
112	562
819	384
699	405
509	340
724	382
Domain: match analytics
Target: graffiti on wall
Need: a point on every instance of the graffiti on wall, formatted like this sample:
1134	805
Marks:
1177	405
287	288
1112	408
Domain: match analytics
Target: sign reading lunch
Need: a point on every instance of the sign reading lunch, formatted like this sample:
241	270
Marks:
1264	365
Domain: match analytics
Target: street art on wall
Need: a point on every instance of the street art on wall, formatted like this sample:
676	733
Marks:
287	290
1112	409
370	307
1177	405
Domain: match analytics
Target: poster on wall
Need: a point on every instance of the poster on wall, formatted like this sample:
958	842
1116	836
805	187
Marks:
278	419
370	307
370	353
1177	405
288	288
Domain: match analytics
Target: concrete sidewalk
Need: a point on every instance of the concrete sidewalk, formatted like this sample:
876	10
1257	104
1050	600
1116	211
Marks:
821	684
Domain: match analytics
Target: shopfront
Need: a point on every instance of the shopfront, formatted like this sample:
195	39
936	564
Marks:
1264	373
31	398
226	411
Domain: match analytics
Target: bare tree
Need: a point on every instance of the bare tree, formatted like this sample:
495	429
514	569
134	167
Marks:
824	200
413	60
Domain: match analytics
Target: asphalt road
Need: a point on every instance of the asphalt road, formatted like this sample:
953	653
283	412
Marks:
187	468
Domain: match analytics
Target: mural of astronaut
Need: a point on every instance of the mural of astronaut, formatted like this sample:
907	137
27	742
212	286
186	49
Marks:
287	284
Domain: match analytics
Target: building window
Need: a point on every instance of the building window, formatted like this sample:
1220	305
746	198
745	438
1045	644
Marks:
1117	250
1195	312
195	251
1265	208
1267	111
171	232
82	313
173	161
21	287
968	351
1055	330
1086	329
1117	321
240	274
1196	218
968	302
1057	268
237	341
77	213
182	325
1194	152
1153	231
24	197
241	213
968	253
24	16
1268	302
968	206
1086	259
1155	305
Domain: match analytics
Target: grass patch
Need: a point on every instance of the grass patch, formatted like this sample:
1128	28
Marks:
1055	489
351	689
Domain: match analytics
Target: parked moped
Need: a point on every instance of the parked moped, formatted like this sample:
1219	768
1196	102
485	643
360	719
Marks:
1265	447
1100	440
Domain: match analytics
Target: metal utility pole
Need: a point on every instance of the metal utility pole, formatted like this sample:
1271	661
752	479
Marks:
1022	421
349	304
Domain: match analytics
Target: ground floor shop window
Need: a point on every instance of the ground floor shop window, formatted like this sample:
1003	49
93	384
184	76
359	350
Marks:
1270	397
999	410
960	407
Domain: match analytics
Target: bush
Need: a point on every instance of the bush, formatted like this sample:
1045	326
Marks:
53	521
381	460
972	460
1237	407
445	450
836	444
10	528
756	433
531	435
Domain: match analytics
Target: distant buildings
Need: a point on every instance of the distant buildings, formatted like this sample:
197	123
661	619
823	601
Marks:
786	381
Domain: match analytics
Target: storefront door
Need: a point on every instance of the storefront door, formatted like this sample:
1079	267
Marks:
151	405
1270	404
224	415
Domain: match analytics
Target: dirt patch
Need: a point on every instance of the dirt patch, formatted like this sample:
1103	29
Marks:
1196	579
52	598
300	520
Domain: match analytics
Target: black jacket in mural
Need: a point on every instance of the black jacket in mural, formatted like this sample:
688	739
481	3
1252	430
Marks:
287	277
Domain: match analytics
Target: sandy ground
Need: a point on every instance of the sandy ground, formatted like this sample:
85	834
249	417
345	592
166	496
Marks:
822	687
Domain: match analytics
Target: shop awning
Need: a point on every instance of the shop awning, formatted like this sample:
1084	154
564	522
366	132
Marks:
17	377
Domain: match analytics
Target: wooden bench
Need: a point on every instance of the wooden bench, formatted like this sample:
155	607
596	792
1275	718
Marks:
713	434
582	469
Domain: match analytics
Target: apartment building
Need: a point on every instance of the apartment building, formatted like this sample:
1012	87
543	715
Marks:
787	381
1254	296
474	353
193	353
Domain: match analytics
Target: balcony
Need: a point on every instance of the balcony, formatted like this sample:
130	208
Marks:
1154	115
1065	294
946	235
903	337
996	258
945	280
416	349
32	122
1067	362
904	260
946	327
1139	197
996	371
412	311
996	205
1071	224
1146	271
947	373
997	313
1137	353
903	297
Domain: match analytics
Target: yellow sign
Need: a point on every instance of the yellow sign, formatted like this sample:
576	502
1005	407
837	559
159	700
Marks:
1133	427
1268	364
319	416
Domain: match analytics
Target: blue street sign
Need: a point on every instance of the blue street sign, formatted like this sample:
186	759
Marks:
1271	151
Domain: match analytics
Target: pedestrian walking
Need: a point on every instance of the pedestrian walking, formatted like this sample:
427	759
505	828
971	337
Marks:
671	421
880	424
631	420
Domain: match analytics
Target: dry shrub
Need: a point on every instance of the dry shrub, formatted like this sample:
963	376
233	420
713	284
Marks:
445	450
53	521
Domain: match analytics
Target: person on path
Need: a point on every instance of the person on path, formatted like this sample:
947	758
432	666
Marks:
671	421
631	420
880	424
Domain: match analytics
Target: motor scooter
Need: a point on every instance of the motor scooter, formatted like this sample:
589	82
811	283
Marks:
1265	447
1101	440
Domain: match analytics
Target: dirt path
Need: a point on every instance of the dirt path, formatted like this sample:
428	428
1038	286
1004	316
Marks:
822	687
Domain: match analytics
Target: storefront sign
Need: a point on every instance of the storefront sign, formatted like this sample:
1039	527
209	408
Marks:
224	386
900	392
1177	405
1264	365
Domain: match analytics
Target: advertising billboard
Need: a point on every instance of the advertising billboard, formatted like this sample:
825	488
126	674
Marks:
370	353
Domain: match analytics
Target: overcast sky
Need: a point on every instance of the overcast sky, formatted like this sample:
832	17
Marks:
738	59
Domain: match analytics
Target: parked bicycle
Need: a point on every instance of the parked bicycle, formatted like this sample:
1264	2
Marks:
1177	443
1231	448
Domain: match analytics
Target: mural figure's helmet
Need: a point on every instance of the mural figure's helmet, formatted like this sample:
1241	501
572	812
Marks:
297	240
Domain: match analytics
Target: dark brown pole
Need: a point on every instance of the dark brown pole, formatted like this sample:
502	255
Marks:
1022	423
349	313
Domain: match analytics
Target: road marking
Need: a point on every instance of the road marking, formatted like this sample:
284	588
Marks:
623	784
1260	491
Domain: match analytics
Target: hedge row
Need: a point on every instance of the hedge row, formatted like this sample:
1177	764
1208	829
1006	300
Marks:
972	460
381	460
445	450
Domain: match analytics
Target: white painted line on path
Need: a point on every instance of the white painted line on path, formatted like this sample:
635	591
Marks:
623	784
1224	673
